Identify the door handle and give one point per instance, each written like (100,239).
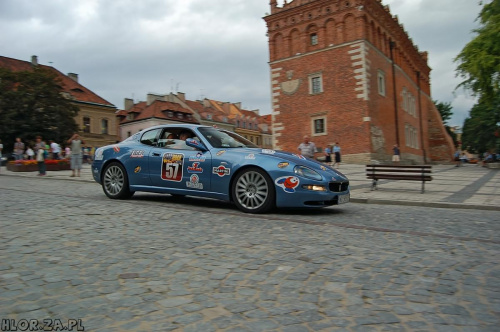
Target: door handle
(156,154)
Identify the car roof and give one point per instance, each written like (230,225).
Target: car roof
(183,125)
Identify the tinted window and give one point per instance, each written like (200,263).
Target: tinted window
(225,139)
(150,137)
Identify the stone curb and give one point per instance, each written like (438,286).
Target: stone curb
(426,204)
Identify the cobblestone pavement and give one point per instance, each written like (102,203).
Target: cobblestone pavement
(156,263)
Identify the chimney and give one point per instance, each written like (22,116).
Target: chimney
(226,107)
(34,60)
(206,103)
(73,76)
(182,96)
(153,97)
(128,104)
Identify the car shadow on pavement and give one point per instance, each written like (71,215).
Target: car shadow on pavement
(207,204)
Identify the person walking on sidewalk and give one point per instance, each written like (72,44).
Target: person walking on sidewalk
(76,154)
(396,154)
(40,155)
(336,151)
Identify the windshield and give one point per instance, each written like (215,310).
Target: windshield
(225,139)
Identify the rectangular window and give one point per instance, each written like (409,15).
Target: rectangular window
(381,83)
(314,39)
(86,125)
(315,84)
(318,126)
(104,126)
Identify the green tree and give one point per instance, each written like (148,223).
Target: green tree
(479,60)
(31,104)
(481,125)
(445,110)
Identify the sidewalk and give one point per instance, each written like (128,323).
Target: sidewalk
(467,187)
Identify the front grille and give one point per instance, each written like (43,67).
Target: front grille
(338,187)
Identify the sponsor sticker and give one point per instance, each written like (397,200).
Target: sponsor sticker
(221,152)
(250,156)
(194,182)
(198,157)
(137,154)
(323,168)
(116,148)
(221,170)
(171,166)
(288,183)
(195,168)
(137,169)
(268,151)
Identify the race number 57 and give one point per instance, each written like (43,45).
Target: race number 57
(171,168)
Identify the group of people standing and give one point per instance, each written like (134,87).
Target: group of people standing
(332,152)
(40,151)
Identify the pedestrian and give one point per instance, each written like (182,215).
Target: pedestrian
(86,155)
(67,152)
(396,154)
(328,154)
(456,158)
(40,148)
(76,153)
(306,148)
(18,149)
(30,153)
(463,159)
(56,150)
(336,152)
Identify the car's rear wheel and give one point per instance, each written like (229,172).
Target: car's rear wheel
(253,191)
(115,182)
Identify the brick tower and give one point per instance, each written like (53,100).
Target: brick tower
(346,71)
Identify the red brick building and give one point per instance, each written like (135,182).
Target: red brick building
(347,72)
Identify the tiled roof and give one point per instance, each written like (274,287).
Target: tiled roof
(75,89)
(158,109)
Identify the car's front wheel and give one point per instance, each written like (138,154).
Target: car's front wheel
(253,191)
(115,182)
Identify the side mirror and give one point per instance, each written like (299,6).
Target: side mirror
(196,144)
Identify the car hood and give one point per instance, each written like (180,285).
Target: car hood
(294,158)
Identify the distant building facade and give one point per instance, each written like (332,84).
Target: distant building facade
(96,117)
(347,72)
(175,108)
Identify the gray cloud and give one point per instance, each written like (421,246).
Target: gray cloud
(215,49)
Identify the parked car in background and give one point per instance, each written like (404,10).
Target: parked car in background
(207,162)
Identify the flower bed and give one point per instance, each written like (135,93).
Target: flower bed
(32,165)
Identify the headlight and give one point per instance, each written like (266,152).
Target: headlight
(314,187)
(307,173)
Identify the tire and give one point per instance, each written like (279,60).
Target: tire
(253,191)
(115,182)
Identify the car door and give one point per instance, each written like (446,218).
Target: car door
(173,164)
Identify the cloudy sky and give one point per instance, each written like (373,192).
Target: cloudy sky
(205,48)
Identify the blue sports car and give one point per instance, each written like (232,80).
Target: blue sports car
(209,162)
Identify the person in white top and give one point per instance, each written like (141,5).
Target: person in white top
(76,153)
(56,149)
(306,148)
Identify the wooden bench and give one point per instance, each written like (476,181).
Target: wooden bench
(399,172)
